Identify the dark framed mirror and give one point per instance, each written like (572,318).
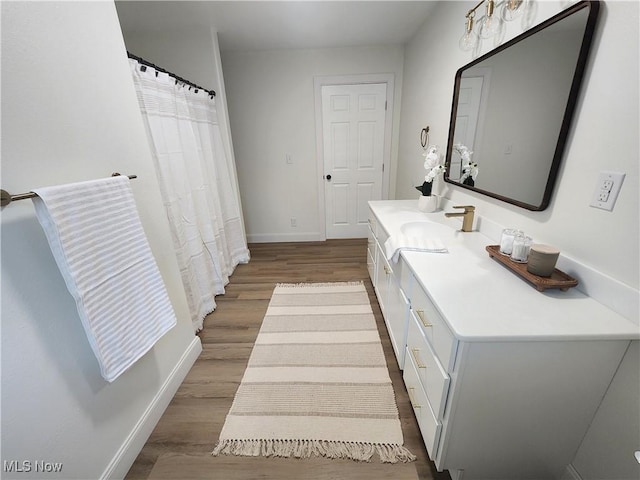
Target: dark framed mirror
(513,107)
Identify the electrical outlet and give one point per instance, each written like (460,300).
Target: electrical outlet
(607,189)
(294,222)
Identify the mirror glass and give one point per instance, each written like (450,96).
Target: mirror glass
(512,108)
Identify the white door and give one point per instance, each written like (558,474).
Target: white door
(466,119)
(353,131)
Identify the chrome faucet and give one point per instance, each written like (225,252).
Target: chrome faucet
(467,220)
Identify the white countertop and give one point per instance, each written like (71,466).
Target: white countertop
(482,300)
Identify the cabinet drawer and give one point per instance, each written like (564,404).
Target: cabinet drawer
(430,427)
(371,255)
(396,320)
(373,224)
(435,380)
(394,306)
(406,280)
(382,279)
(397,270)
(381,234)
(371,265)
(434,327)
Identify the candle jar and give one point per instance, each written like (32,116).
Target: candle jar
(506,241)
(520,249)
(542,260)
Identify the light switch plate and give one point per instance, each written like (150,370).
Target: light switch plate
(607,189)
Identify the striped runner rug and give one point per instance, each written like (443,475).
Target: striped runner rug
(317,382)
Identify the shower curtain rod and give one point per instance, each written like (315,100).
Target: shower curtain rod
(146,63)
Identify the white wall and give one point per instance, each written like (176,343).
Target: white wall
(70,113)
(271,105)
(604,136)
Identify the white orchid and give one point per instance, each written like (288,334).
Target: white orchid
(464,152)
(432,157)
(433,166)
(469,168)
(432,163)
(433,173)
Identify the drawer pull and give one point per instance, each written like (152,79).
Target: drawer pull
(414,353)
(413,403)
(423,319)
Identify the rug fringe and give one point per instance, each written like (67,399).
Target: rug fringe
(322,284)
(362,452)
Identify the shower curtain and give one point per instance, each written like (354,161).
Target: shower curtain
(197,184)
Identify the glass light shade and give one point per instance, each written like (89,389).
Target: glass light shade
(512,9)
(489,27)
(468,41)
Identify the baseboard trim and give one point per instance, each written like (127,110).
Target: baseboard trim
(126,455)
(284,237)
(456,474)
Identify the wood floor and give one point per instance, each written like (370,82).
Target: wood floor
(180,445)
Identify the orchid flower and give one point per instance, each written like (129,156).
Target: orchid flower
(432,158)
(432,163)
(469,169)
(435,171)
(464,152)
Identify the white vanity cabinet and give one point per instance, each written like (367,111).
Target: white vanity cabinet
(519,410)
(501,410)
(386,281)
(504,380)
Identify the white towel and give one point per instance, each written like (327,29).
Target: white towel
(396,243)
(96,237)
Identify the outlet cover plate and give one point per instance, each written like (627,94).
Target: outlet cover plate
(606,190)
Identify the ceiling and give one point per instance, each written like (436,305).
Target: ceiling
(260,25)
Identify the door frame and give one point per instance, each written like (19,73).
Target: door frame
(324,80)
(485,74)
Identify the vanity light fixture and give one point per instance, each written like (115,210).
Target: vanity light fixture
(488,26)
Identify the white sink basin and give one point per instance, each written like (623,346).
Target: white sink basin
(428,230)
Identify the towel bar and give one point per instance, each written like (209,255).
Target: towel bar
(6,198)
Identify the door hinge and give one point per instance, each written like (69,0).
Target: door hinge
(383,167)
(385,105)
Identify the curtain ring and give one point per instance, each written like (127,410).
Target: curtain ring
(424,137)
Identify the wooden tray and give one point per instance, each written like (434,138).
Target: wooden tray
(558,279)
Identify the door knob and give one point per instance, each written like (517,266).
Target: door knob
(328,177)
